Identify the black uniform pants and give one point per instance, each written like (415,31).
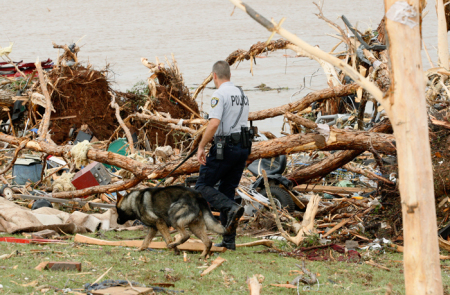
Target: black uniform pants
(228,171)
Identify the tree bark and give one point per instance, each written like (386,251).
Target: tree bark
(407,109)
(6,98)
(338,140)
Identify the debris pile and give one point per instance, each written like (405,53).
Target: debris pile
(72,140)
(335,119)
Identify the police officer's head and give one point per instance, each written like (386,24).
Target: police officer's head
(221,73)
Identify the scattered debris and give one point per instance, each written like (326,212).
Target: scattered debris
(73,144)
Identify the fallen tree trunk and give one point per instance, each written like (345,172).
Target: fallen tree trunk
(331,163)
(324,167)
(296,106)
(303,103)
(99,189)
(296,143)
(338,140)
(139,169)
(406,106)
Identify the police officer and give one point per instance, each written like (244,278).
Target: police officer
(227,157)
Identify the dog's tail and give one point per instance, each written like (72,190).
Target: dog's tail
(210,221)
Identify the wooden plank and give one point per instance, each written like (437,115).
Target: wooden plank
(215,264)
(331,189)
(188,246)
(41,266)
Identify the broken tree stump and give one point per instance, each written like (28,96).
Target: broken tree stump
(407,110)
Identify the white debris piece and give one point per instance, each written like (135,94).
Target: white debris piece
(164,152)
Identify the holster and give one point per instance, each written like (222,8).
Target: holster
(247,135)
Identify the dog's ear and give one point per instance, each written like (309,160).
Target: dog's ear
(119,199)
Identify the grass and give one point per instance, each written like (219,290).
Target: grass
(164,267)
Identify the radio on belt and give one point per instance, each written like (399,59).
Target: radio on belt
(92,175)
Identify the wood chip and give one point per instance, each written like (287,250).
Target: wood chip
(215,264)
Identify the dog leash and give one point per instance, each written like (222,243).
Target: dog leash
(187,158)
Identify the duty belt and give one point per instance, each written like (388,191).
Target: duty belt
(233,138)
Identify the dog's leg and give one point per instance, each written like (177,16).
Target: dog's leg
(182,237)
(164,230)
(198,228)
(148,239)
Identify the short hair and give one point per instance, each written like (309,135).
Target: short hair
(222,70)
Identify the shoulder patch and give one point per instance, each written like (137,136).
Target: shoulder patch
(214,101)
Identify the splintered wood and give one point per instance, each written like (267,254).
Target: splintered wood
(307,225)
(215,264)
(254,285)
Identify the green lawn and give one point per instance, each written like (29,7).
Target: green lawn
(164,267)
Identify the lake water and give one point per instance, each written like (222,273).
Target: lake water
(197,32)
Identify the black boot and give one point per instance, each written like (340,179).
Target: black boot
(233,217)
(228,241)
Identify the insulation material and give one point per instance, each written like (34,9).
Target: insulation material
(79,152)
(63,183)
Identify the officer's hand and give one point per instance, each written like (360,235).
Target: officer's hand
(201,156)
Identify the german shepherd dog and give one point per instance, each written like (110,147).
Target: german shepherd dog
(176,206)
